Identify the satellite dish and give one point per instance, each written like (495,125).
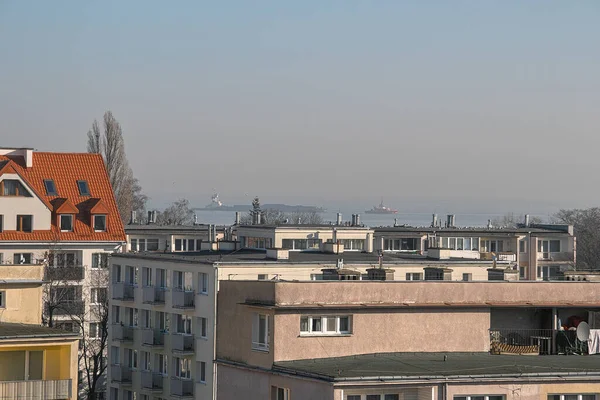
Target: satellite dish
(583,331)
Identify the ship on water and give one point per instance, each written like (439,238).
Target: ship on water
(217,205)
(381,209)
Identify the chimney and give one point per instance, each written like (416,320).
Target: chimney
(210,239)
(395,221)
(237,217)
(214,233)
(357,219)
(258,218)
(434,221)
(149,218)
(338,220)
(527,220)
(353,220)
(154,216)
(133,219)
(489,225)
(195,219)
(450,220)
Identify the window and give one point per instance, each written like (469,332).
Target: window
(554,246)
(116,313)
(161,363)
(191,243)
(414,276)
(116,273)
(260,332)
(161,278)
(257,242)
(404,244)
(152,244)
(182,368)
(573,396)
(146,364)
(203,284)
(301,244)
(1,222)
(134,245)
(12,187)
(467,277)
(522,246)
(325,325)
(353,397)
(50,187)
(22,258)
(184,324)
(202,368)
(95,330)
(278,393)
(492,246)
(98,295)
(100,223)
(146,319)
(66,222)
(479,397)
(353,244)
(100,260)
(263,277)
(177,244)
(203,326)
(146,276)
(132,358)
(3,299)
(24,223)
(83,187)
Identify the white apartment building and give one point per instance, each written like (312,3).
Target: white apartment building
(171,238)
(58,210)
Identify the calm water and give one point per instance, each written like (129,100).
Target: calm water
(414,219)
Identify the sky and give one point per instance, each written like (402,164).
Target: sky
(436,106)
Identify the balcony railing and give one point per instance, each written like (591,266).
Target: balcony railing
(182,388)
(153,295)
(500,256)
(123,291)
(70,273)
(152,381)
(184,298)
(555,256)
(122,333)
(70,307)
(521,341)
(42,390)
(182,344)
(153,337)
(120,373)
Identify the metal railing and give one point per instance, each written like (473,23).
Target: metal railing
(122,333)
(184,298)
(153,337)
(122,291)
(182,343)
(153,295)
(522,340)
(36,390)
(120,373)
(70,273)
(152,381)
(182,387)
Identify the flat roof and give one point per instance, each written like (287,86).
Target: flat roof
(409,366)
(23,331)
(308,226)
(547,229)
(297,257)
(172,228)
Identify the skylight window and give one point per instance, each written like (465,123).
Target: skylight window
(84,189)
(50,187)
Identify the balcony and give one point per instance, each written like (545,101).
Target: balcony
(153,295)
(43,390)
(522,341)
(151,381)
(153,337)
(182,388)
(184,299)
(120,373)
(72,273)
(123,291)
(182,344)
(122,333)
(563,256)
(505,256)
(70,307)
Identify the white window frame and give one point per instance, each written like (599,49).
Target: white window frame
(202,372)
(410,276)
(97,328)
(203,283)
(94,294)
(183,368)
(100,260)
(324,331)
(579,395)
(286,393)
(105,222)
(485,396)
(203,322)
(258,343)
(60,217)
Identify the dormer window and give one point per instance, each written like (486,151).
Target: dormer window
(84,189)
(66,222)
(12,187)
(50,187)
(100,223)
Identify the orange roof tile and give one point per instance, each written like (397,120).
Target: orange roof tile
(64,206)
(66,169)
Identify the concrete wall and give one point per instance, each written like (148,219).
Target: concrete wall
(421,330)
(522,391)
(23,300)
(237,383)
(13,206)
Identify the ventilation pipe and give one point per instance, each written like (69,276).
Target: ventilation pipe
(357,219)
(195,219)
(434,220)
(527,222)
(214,233)
(133,217)
(489,225)
(237,217)
(149,217)
(338,220)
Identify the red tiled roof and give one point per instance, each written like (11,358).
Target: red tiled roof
(66,169)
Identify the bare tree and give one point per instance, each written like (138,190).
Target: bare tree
(511,220)
(111,145)
(178,213)
(586,224)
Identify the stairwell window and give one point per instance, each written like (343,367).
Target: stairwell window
(260,332)
(100,223)
(325,325)
(66,222)
(24,223)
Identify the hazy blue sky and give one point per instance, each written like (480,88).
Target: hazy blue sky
(435,105)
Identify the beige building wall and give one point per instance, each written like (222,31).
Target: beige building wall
(523,390)
(18,205)
(22,300)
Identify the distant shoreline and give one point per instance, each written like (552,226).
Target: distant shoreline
(279,207)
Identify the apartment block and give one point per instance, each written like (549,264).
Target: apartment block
(405,340)
(172,238)
(36,362)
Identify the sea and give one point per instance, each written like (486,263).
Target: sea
(371,220)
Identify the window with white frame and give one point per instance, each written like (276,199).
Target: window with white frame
(146,364)
(202,371)
(479,397)
(260,332)
(115,355)
(98,295)
(403,244)
(95,330)
(414,276)
(203,283)
(100,260)
(545,246)
(100,223)
(354,244)
(460,243)
(389,396)
(131,357)
(279,393)
(116,273)
(573,396)
(184,324)
(492,246)
(22,258)
(203,326)
(116,314)
(66,222)
(146,318)
(301,244)
(161,278)
(152,244)
(182,368)
(160,363)
(325,325)
(522,246)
